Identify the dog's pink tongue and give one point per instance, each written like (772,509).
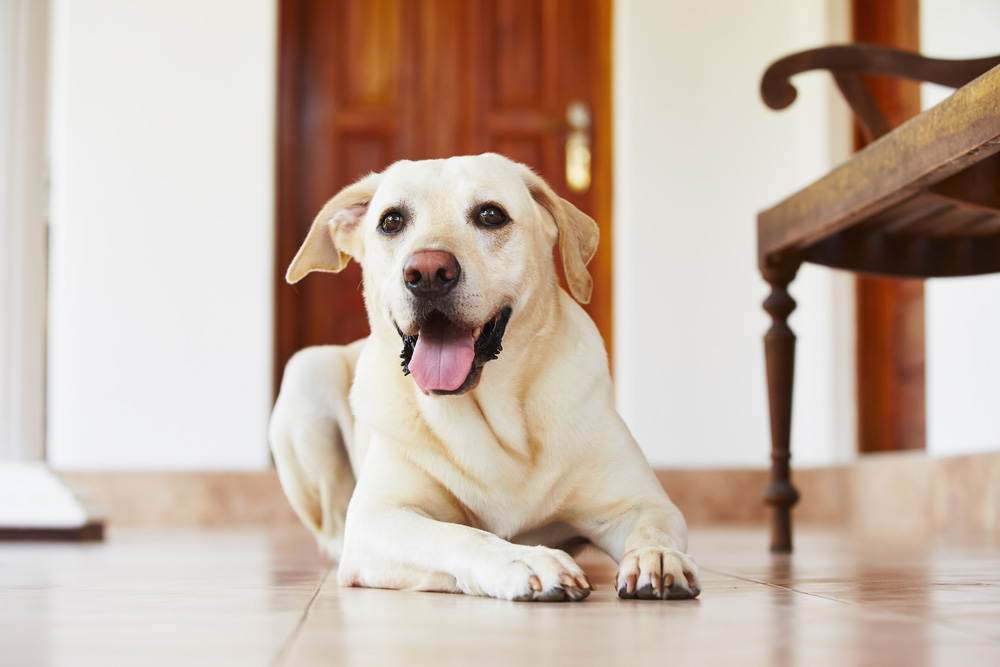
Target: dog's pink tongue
(442,358)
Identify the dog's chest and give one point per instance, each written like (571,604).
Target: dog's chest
(509,500)
(506,473)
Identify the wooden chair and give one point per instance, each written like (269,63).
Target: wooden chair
(922,200)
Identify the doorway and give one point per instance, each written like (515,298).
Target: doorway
(363,83)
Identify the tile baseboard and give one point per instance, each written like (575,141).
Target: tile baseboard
(897,496)
(183,498)
(905,495)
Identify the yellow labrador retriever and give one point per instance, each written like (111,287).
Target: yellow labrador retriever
(493,447)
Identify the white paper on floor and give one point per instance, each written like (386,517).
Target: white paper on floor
(32,497)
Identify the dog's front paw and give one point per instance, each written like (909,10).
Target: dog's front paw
(657,573)
(543,575)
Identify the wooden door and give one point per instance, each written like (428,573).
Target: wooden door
(890,312)
(363,83)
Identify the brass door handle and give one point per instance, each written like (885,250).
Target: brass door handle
(578,146)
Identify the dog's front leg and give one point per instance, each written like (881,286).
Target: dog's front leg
(649,540)
(653,567)
(404,531)
(403,549)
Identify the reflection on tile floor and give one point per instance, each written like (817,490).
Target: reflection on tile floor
(265,597)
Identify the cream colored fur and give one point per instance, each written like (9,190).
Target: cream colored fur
(473,493)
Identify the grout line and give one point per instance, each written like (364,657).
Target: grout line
(282,656)
(884,612)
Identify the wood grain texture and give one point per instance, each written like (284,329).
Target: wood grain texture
(924,151)
(890,314)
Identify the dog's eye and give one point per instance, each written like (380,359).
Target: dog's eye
(392,222)
(491,215)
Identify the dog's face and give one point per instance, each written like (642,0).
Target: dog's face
(453,252)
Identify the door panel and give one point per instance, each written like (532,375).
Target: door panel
(364,83)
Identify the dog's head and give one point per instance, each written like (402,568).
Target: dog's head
(452,252)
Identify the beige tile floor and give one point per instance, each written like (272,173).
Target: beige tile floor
(264,597)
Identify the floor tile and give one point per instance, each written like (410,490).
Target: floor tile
(266,597)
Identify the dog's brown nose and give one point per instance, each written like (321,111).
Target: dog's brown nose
(431,272)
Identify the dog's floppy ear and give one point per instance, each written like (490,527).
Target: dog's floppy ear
(578,235)
(335,235)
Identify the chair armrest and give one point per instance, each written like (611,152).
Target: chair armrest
(848,63)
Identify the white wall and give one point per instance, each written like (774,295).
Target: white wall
(161,239)
(697,156)
(963,315)
(162,231)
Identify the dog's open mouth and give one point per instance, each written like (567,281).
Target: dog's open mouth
(446,358)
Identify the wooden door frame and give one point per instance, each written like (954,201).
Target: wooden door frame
(287,176)
(602,266)
(890,313)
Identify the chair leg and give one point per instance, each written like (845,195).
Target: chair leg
(779,350)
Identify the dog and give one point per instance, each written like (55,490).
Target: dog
(477,459)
